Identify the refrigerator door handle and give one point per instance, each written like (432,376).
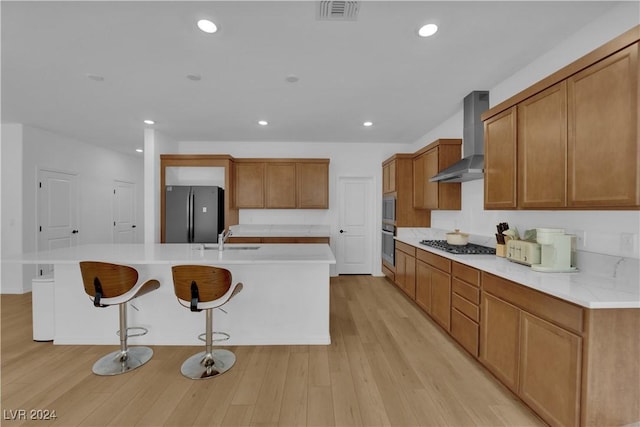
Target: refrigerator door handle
(190,217)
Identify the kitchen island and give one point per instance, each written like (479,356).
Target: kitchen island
(285,299)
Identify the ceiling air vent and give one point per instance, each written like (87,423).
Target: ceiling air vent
(338,10)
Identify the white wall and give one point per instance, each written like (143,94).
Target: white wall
(11,232)
(96,167)
(603,229)
(155,143)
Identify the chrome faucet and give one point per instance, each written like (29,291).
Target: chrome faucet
(221,238)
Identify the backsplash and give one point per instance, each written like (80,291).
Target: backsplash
(612,233)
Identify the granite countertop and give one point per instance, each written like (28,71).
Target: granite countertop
(178,253)
(608,282)
(279,230)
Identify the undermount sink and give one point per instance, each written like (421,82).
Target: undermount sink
(226,248)
(239,248)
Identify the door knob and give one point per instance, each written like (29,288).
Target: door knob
(133,226)
(74,232)
(342,231)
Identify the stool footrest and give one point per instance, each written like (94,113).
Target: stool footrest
(145,331)
(224,336)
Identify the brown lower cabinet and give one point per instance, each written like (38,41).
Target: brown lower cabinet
(465,307)
(572,365)
(433,286)
(278,240)
(405,274)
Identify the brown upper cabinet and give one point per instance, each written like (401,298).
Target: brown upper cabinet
(500,160)
(249,184)
(571,140)
(397,181)
(542,149)
(312,179)
(389,177)
(604,164)
(427,162)
(282,183)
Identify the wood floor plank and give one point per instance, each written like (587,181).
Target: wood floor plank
(320,406)
(293,411)
(269,402)
(252,378)
(388,364)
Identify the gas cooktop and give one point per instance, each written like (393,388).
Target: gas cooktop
(468,249)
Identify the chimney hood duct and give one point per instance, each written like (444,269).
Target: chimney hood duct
(472,165)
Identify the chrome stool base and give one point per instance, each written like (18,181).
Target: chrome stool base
(119,362)
(203,365)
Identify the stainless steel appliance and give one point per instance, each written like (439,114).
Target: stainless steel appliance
(193,214)
(468,249)
(472,165)
(389,209)
(389,243)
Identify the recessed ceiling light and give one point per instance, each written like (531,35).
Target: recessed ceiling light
(194,77)
(149,122)
(95,77)
(292,78)
(207,26)
(367,124)
(139,150)
(427,30)
(263,122)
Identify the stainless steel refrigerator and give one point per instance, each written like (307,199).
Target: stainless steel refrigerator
(193,214)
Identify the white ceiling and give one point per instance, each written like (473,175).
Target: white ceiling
(374,68)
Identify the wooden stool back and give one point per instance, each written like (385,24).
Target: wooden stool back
(212,282)
(115,279)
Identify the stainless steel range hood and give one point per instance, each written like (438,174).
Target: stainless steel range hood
(472,165)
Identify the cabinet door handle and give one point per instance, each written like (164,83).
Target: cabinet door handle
(75,232)
(342,231)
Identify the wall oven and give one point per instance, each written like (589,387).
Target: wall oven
(389,209)
(388,244)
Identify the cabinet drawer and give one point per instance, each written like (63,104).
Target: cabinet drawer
(472,311)
(465,331)
(437,261)
(545,306)
(468,292)
(407,249)
(466,273)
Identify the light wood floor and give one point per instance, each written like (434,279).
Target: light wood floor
(388,365)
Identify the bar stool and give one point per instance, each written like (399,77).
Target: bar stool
(109,284)
(201,287)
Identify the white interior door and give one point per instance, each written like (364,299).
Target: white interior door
(124,212)
(57,212)
(355,243)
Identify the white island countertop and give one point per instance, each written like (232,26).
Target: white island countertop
(581,288)
(177,253)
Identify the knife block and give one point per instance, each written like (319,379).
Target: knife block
(501,250)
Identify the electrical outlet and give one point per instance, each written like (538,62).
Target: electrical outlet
(627,243)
